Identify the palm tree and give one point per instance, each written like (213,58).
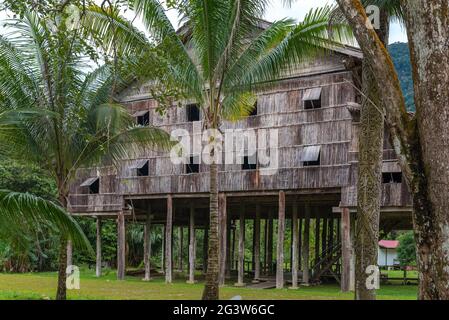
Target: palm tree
(22,213)
(219,58)
(74,119)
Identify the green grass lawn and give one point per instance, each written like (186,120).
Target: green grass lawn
(43,286)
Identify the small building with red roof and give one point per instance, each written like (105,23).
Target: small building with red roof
(387,253)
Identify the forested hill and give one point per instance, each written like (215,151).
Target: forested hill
(400,54)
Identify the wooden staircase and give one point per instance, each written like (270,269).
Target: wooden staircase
(327,264)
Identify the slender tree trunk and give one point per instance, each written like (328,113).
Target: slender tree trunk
(212,276)
(61,293)
(421,142)
(369,185)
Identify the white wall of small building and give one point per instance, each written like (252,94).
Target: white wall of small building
(387,257)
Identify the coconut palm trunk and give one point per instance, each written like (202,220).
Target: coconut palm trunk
(61,293)
(212,275)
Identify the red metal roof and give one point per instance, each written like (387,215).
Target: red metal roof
(389,244)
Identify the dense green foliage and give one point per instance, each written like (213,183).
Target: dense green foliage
(400,54)
(407,249)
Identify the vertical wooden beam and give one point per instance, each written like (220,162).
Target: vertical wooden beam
(317,238)
(98,260)
(345,249)
(257,244)
(222,237)
(280,242)
(147,246)
(233,248)
(181,244)
(168,241)
(305,246)
(241,257)
(352,262)
(228,248)
(192,245)
(270,243)
(300,237)
(331,232)
(121,244)
(265,246)
(324,237)
(205,247)
(295,249)
(163,249)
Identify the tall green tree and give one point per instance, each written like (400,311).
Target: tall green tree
(62,112)
(420,140)
(218,58)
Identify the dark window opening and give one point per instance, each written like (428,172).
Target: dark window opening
(312,104)
(144,119)
(313,163)
(249,163)
(312,98)
(193,166)
(94,187)
(392,177)
(144,170)
(254,110)
(193,112)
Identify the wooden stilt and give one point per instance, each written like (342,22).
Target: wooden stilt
(98,260)
(163,249)
(233,266)
(253,253)
(305,247)
(168,241)
(291,245)
(317,238)
(181,244)
(331,232)
(147,246)
(222,237)
(300,237)
(228,248)
(270,243)
(295,249)
(324,237)
(241,258)
(280,242)
(257,245)
(265,246)
(352,262)
(205,247)
(121,243)
(192,246)
(345,249)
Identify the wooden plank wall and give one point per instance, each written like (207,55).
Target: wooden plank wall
(280,107)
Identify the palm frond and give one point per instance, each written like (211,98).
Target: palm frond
(284,46)
(237,105)
(21,212)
